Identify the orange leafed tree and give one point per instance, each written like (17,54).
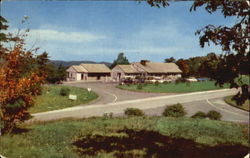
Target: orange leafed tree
(20,81)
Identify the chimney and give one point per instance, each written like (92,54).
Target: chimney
(144,62)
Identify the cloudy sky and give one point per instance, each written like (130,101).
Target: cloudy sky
(99,30)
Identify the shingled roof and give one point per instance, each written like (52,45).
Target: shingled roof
(128,68)
(154,67)
(79,68)
(96,68)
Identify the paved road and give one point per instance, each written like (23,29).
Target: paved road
(228,112)
(108,93)
(193,102)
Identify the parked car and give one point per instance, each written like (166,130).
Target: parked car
(191,79)
(202,79)
(126,81)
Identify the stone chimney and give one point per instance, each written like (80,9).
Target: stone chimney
(144,62)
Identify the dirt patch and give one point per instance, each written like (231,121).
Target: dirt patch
(144,143)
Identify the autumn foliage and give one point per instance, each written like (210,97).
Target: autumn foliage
(19,83)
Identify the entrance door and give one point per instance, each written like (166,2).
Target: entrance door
(81,76)
(119,76)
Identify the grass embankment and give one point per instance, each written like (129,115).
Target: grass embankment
(52,100)
(127,137)
(173,87)
(244,106)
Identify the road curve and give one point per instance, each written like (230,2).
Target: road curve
(108,93)
(119,107)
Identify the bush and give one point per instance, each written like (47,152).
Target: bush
(156,83)
(64,91)
(199,114)
(134,112)
(139,86)
(180,80)
(176,110)
(214,115)
(165,82)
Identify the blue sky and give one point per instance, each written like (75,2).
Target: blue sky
(99,30)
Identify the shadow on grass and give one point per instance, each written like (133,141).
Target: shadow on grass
(143,143)
(19,130)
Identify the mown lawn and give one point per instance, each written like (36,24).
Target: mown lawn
(245,106)
(52,100)
(126,137)
(173,87)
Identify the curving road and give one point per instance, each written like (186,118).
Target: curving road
(108,93)
(193,102)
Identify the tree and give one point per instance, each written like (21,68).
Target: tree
(121,60)
(61,71)
(54,74)
(19,82)
(194,64)
(234,40)
(183,65)
(170,60)
(209,66)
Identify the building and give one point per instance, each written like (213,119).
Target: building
(163,71)
(88,72)
(123,71)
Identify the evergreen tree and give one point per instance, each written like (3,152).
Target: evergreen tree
(121,60)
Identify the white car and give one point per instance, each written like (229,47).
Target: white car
(192,79)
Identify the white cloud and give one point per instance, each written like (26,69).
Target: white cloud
(52,35)
(153,41)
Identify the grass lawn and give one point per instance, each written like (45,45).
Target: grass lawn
(174,88)
(127,137)
(245,106)
(52,100)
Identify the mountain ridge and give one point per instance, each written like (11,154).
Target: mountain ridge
(70,63)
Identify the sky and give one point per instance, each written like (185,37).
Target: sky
(99,30)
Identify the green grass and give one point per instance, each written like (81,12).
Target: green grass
(243,79)
(245,106)
(55,139)
(52,100)
(174,88)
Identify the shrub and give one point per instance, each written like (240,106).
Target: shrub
(108,115)
(134,112)
(145,84)
(214,115)
(165,82)
(64,91)
(176,110)
(156,83)
(139,86)
(180,80)
(199,114)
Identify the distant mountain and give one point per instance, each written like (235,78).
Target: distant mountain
(69,63)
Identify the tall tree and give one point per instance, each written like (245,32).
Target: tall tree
(209,66)
(121,60)
(170,60)
(19,82)
(234,40)
(183,65)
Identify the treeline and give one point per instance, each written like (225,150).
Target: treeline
(200,66)
(53,74)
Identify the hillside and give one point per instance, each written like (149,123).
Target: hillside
(69,63)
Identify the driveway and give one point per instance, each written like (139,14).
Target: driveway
(108,93)
(193,102)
